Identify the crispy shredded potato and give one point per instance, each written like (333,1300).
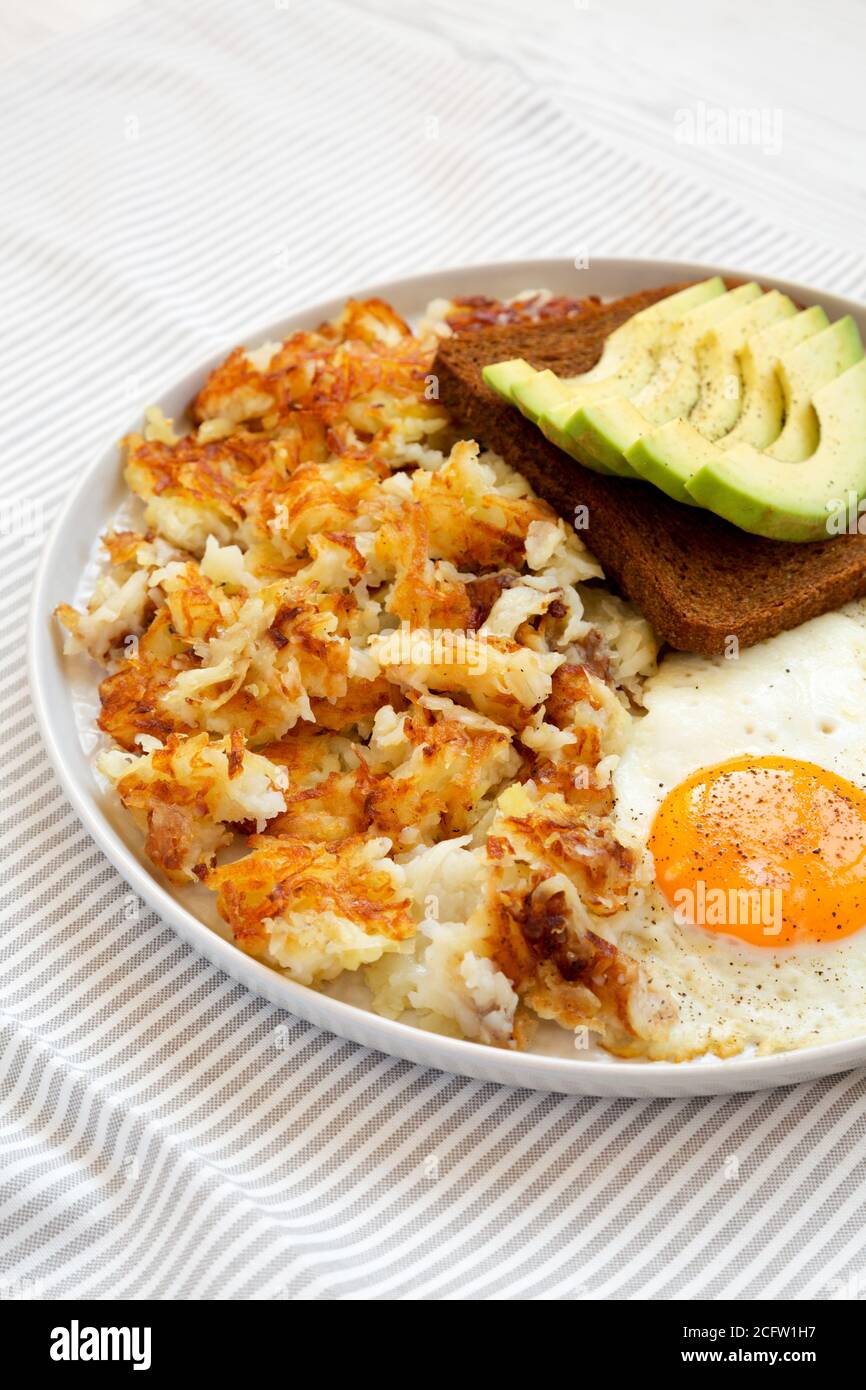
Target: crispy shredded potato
(186,793)
(364,685)
(315,910)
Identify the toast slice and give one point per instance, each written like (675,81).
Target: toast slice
(699,580)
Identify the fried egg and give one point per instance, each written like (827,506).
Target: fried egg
(745,785)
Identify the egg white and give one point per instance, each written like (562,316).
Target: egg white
(801,695)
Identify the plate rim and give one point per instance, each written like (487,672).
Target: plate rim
(614,1077)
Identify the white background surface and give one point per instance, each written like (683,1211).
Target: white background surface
(171,175)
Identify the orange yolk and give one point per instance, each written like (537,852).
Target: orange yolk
(771,850)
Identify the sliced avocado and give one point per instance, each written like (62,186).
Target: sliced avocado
(627,360)
(794,501)
(670,455)
(502,376)
(763,412)
(610,428)
(673,306)
(720,397)
(597,433)
(643,326)
(537,393)
(802,373)
(673,391)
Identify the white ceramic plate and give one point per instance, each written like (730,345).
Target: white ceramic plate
(64,696)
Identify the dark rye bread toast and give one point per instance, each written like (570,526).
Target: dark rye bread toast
(699,580)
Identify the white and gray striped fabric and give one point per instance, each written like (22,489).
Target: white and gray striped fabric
(170,177)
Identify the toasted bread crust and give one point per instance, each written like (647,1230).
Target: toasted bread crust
(699,580)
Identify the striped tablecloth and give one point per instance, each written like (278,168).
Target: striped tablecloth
(169,177)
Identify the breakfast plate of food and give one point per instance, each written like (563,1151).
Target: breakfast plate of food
(475,666)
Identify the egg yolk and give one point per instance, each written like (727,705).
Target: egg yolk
(770,850)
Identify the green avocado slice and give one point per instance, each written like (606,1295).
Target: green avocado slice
(670,455)
(720,396)
(626,361)
(503,376)
(802,501)
(607,429)
(802,373)
(598,436)
(763,411)
(674,389)
(539,393)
